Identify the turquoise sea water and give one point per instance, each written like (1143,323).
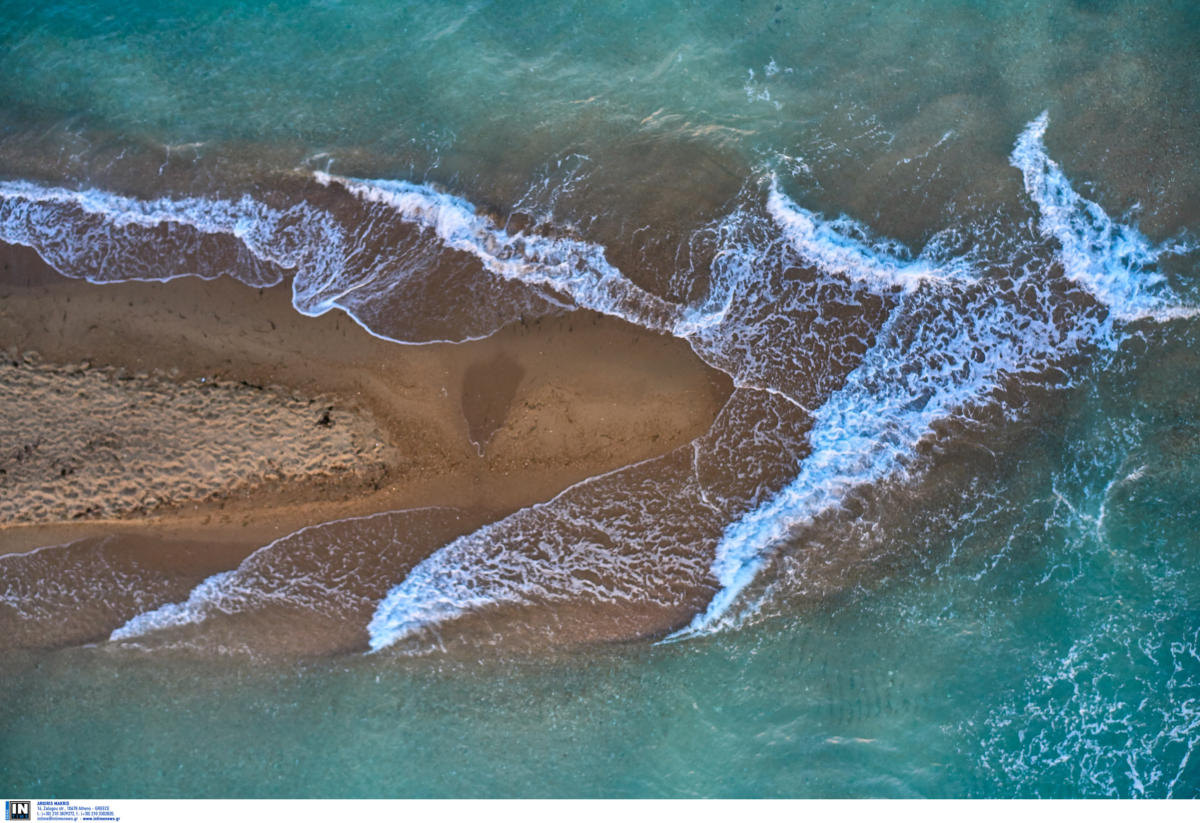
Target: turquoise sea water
(942,541)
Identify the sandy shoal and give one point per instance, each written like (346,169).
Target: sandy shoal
(208,411)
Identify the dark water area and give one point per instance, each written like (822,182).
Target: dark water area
(940,541)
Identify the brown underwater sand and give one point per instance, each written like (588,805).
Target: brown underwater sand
(209,413)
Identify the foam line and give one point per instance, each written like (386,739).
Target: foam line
(210,595)
(323,569)
(333,262)
(869,430)
(574,268)
(79,233)
(1113,261)
(844,246)
(950,341)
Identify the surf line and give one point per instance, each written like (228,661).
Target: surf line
(420,600)
(1109,260)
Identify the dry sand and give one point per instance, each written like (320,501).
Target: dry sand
(209,412)
(82,442)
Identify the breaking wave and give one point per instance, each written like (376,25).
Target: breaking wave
(846,351)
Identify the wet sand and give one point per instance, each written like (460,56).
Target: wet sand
(239,421)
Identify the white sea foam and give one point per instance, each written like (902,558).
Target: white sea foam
(948,341)
(633,537)
(844,246)
(35,586)
(1113,261)
(942,353)
(1115,711)
(102,236)
(210,595)
(746,327)
(334,262)
(770,332)
(760,326)
(335,569)
(619,538)
(869,430)
(573,268)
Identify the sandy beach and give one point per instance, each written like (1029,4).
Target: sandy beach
(209,412)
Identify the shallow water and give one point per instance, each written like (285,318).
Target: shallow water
(941,541)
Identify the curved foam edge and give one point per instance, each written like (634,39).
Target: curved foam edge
(1113,261)
(438,588)
(1110,260)
(230,591)
(575,268)
(202,599)
(407,608)
(257,228)
(844,246)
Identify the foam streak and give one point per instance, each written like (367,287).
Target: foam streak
(1113,261)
